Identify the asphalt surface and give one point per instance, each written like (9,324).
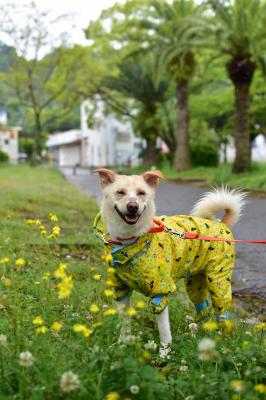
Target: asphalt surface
(174,199)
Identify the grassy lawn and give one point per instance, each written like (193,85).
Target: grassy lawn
(255,179)
(41,313)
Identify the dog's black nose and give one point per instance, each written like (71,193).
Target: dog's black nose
(132,207)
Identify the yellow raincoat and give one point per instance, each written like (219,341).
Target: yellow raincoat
(155,261)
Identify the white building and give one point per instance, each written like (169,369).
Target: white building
(101,141)
(65,148)
(9,142)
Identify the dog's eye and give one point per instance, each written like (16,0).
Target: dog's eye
(121,192)
(141,193)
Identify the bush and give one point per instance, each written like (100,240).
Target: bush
(4,157)
(204,155)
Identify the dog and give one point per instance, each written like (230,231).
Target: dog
(149,254)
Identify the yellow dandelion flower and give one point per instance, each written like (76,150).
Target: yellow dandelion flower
(112,396)
(56,326)
(56,230)
(80,328)
(259,326)
(108,258)
(94,308)
(245,345)
(53,217)
(131,312)
(97,277)
(20,262)
(108,293)
(64,292)
(60,272)
(42,329)
(4,260)
(111,270)
(109,283)
(38,321)
(109,312)
(260,388)
(210,326)
(140,304)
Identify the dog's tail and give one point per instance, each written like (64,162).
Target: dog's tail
(231,201)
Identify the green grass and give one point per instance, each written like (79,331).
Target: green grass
(102,365)
(255,179)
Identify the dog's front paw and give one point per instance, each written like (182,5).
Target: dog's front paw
(165,350)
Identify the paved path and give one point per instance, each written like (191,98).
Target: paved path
(250,269)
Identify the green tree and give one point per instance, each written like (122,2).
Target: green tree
(169,21)
(239,32)
(46,77)
(136,80)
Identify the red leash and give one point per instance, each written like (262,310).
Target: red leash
(188,235)
(159,227)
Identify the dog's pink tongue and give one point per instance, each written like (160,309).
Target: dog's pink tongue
(131,218)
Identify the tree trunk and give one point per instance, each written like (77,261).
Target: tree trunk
(150,153)
(182,155)
(36,155)
(242,139)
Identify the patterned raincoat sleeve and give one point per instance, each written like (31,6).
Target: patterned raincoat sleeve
(121,289)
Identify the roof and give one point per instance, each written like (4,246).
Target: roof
(62,138)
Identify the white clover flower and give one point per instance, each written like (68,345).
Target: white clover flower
(183,368)
(193,327)
(206,344)
(129,339)
(150,345)
(188,318)
(206,349)
(134,389)
(183,361)
(3,340)
(26,359)
(69,382)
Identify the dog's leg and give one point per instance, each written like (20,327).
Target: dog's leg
(122,305)
(164,331)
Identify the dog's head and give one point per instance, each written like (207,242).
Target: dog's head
(128,201)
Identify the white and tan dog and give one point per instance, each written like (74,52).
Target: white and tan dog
(128,211)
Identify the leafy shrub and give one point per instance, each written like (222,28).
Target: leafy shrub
(205,155)
(4,157)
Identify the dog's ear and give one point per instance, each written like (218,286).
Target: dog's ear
(152,178)
(106,176)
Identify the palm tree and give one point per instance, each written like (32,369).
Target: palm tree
(240,34)
(136,80)
(170,23)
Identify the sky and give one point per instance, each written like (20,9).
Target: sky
(84,10)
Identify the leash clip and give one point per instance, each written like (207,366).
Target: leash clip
(179,234)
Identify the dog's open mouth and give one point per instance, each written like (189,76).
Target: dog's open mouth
(129,218)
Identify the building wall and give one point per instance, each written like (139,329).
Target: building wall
(70,155)
(110,142)
(9,143)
